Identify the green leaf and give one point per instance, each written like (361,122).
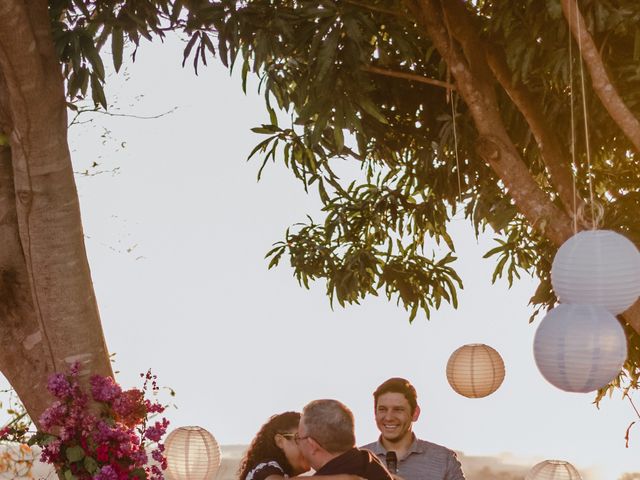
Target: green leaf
(497,273)
(190,44)
(327,54)
(41,439)
(69,476)
(265,129)
(245,71)
(272,116)
(369,107)
(175,13)
(338,137)
(208,44)
(555,9)
(117,46)
(90,465)
(97,92)
(74,454)
(91,52)
(138,473)
(494,251)
(223,50)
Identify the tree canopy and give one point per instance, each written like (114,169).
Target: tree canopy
(498,111)
(447,107)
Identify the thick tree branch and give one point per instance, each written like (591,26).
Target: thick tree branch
(600,81)
(494,145)
(413,77)
(632,316)
(550,148)
(553,156)
(461,23)
(498,150)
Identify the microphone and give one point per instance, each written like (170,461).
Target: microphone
(392,462)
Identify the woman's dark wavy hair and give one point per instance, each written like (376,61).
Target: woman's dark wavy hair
(263,447)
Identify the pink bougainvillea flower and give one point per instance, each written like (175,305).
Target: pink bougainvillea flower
(130,407)
(59,386)
(104,389)
(113,441)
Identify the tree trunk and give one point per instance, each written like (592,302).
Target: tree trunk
(49,316)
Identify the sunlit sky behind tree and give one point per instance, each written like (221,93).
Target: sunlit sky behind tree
(177,228)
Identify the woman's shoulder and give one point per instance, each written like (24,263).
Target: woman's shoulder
(264,469)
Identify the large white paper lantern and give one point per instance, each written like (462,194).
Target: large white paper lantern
(597,267)
(475,370)
(579,348)
(192,454)
(553,470)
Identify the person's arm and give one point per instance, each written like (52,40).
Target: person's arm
(454,468)
(341,476)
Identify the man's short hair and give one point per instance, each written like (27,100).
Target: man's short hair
(330,423)
(397,385)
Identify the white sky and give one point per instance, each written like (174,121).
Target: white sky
(194,301)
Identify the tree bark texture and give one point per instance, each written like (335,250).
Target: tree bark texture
(50,306)
(600,81)
(461,24)
(553,155)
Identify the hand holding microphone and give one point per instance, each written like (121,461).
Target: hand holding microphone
(392,462)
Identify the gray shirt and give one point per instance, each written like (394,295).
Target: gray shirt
(425,461)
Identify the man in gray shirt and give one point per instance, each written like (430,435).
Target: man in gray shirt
(407,457)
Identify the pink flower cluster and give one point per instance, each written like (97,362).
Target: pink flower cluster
(108,443)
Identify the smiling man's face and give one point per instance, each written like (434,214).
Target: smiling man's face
(394,417)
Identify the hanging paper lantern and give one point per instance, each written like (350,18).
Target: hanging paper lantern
(553,470)
(475,370)
(579,348)
(597,267)
(192,454)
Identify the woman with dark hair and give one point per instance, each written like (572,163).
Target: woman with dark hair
(273,453)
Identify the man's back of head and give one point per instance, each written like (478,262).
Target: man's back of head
(330,423)
(327,440)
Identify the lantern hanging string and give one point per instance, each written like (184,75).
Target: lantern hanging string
(594,223)
(596,211)
(450,98)
(574,165)
(455,143)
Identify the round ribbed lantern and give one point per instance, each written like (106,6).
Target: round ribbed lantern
(553,470)
(579,348)
(475,370)
(192,454)
(597,267)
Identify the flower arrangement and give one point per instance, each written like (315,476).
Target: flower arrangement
(104,435)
